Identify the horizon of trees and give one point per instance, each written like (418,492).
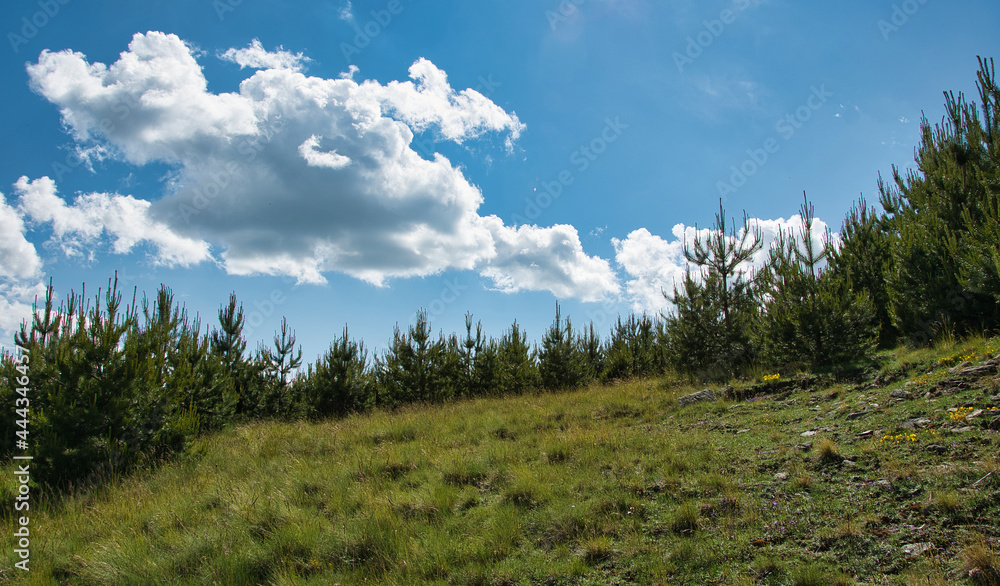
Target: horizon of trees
(114,386)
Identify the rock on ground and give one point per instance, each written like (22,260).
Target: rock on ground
(704,395)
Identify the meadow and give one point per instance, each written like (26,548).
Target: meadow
(889,478)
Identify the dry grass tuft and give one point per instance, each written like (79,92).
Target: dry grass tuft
(828,452)
(982,564)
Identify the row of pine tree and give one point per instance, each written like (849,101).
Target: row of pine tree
(114,386)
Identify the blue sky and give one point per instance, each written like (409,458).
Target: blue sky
(349,163)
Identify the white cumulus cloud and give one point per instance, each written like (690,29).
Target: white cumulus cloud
(18,258)
(76,227)
(20,272)
(548,259)
(429,101)
(300,175)
(256,57)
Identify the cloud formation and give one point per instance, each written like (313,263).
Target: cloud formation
(298,175)
(20,271)
(548,259)
(125,220)
(256,57)
(18,258)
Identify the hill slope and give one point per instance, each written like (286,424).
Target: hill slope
(803,482)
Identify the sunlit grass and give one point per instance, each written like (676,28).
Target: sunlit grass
(602,485)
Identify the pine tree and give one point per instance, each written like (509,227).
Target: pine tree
(711,329)
(227,340)
(411,369)
(276,367)
(808,317)
(340,382)
(471,355)
(694,341)
(518,365)
(979,259)
(84,387)
(632,350)
(489,370)
(561,362)
(863,262)
(594,351)
(151,350)
(940,213)
(227,343)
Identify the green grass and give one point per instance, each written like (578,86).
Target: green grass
(606,485)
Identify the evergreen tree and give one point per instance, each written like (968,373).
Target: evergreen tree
(227,340)
(518,365)
(201,384)
(594,351)
(979,258)
(470,381)
(711,330)
(632,350)
(489,373)
(808,317)
(240,391)
(158,419)
(940,213)
(83,388)
(411,369)
(340,382)
(863,262)
(694,340)
(274,398)
(561,362)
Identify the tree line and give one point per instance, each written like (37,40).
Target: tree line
(117,386)
(926,266)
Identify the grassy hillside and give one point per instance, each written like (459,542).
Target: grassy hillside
(784,482)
